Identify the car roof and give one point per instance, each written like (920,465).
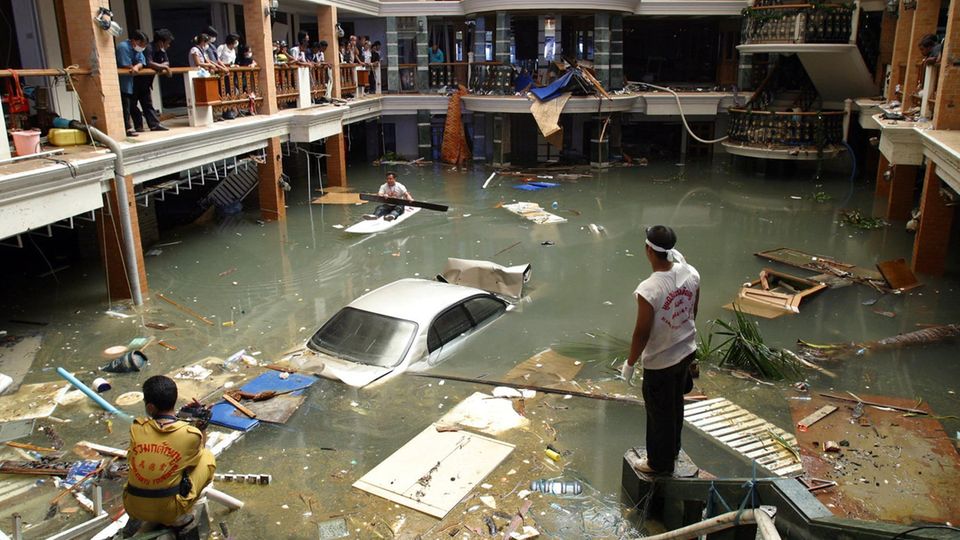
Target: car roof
(417,300)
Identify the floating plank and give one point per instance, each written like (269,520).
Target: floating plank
(534,212)
(744,433)
(817,415)
(817,263)
(898,274)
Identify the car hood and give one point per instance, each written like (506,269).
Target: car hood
(331,367)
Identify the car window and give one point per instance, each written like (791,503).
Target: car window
(365,337)
(483,308)
(448,326)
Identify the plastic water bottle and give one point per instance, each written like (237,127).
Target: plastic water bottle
(555,205)
(556,487)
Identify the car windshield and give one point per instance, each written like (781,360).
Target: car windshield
(365,337)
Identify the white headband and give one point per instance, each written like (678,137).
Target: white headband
(673,255)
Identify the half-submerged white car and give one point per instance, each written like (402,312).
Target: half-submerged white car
(409,324)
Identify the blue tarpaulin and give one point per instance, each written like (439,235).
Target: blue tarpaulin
(270,380)
(554,89)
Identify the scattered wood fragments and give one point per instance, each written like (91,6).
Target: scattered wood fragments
(898,274)
(819,414)
(821,264)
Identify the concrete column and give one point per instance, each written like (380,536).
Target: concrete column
(393,56)
(479,136)
(110,239)
(558,36)
(600,147)
(924,22)
(933,235)
(327,31)
(424,139)
(272,196)
(259,36)
(501,45)
(423,58)
(479,40)
(882,190)
(541,37)
(901,48)
(601,48)
(336,150)
(903,179)
(93,49)
(501,140)
(615,132)
(616,51)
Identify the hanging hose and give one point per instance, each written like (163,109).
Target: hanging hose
(853,172)
(682,115)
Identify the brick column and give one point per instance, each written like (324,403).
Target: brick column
(501,44)
(110,239)
(259,36)
(272,196)
(327,31)
(393,56)
(616,51)
(924,22)
(888,32)
(335,147)
(92,48)
(947,112)
(882,189)
(901,48)
(424,135)
(423,55)
(933,235)
(903,181)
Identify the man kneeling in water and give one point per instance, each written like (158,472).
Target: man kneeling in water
(169,466)
(395,190)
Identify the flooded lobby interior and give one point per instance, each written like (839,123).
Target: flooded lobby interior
(812,147)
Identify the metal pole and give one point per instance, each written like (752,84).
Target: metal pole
(126,226)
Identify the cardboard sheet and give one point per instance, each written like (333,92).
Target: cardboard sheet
(338,197)
(435,470)
(547,115)
(32,401)
(16,357)
(534,212)
(483,412)
(189,388)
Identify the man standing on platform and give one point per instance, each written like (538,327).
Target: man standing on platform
(665,340)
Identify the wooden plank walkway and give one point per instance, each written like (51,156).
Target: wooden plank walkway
(745,433)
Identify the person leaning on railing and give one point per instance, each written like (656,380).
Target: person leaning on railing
(227,55)
(157,60)
(130,55)
(197,58)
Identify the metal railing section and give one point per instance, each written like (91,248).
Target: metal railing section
(797,23)
(786,129)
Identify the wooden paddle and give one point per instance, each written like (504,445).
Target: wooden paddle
(403,202)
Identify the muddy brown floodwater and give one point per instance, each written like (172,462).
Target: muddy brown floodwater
(290,277)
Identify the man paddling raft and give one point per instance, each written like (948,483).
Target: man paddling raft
(395,190)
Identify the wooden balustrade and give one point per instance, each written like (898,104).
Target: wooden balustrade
(237,87)
(786,129)
(348,79)
(797,23)
(492,78)
(318,81)
(287,87)
(408,78)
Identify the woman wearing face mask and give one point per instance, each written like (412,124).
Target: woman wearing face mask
(211,52)
(197,57)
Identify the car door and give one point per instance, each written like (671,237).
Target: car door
(456,322)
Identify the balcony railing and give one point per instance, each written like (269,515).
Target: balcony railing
(287,85)
(797,23)
(318,81)
(448,74)
(237,88)
(492,78)
(348,79)
(786,129)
